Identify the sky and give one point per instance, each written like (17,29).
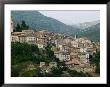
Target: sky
(73,17)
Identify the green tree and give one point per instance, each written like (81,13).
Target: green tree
(74,73)
(18,28)
(24,26)
(96,61)
(56,72)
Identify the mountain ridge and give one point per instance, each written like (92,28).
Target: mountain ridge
(38,21)
(85,25)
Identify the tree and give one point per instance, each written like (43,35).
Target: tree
(18,28)
(56,72)
(96,61)
(30,73)
(74,73)
(24,26)
(34,48)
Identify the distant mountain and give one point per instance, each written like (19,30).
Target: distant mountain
(86,24)
(92,32)
(38,21)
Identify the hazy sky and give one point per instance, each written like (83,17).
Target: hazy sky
(73,17)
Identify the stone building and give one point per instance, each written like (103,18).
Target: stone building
(53,64)
(42,64)
(62,56)
(22,38)
(14,38)
(30,38)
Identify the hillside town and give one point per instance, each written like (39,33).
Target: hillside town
(75,52)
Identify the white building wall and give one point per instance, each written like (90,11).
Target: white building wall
(14,39)
(30,39)
(40,45)
(83,49)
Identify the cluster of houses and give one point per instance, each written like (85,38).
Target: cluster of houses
(45,67)
(74,52)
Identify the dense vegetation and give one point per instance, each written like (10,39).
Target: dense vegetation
(96,61)
(23,54)
(20,27)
